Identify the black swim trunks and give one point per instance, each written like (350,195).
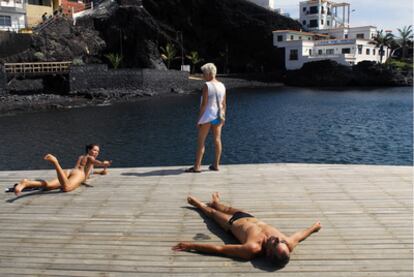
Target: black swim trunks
(237,216)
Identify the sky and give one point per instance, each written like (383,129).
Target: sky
(385,14)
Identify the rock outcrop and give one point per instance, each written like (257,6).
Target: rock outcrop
(331,74)
(60,40)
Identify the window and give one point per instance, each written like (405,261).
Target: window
(300,37)
(368,51)
(304,9)
(309,38)
(330,51)
(5,20)
(346,50)
(328,22)
(321,21)
(313,10)
(293,55)
(346,35)
(313,23)
(40,2)
(360,36)
(292,37)
(320,52)
(304,23)
(374,52)
(310,52)
(323,10)
(279,38)
(360,49)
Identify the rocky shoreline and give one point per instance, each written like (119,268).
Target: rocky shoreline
(38,101)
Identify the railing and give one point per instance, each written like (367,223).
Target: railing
(41,68)
(44,24)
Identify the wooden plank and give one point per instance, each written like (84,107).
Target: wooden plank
(127,222)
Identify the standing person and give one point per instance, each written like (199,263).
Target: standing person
(68,180)
(212,116)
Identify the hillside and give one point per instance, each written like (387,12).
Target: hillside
(235,34)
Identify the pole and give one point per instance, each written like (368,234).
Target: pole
(182,49)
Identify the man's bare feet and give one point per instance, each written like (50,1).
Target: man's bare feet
(20,186)
(317,226)
(50,158)
(194,201)
(215,198)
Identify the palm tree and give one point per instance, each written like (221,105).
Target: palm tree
(405,39)
(114,59)
(168,54)
(383,40)
(194,59)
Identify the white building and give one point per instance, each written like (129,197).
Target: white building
(329,37)
(322,14)
(12,15)
(267,4)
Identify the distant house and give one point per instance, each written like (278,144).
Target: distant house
(328,37)
(12,15)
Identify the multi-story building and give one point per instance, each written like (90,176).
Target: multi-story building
(12,15)
(329,37)
(35,9)
(323,14)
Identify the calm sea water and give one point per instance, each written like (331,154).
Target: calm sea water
(288,125)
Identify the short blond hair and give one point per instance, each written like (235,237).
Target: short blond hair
(210,69)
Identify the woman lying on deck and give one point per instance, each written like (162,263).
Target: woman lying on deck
(68,180)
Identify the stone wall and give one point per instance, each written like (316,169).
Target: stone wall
(164,81)
(87,77)
(99,77)
(3,81)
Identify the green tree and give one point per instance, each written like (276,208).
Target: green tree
(383,40)
(194,58)
(168,54)
(114,59)
(405,39)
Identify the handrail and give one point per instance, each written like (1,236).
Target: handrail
(37,67)
(44,24)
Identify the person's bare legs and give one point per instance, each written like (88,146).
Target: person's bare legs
(68,183)
(217,144)
(202,135)
(219,217)
(216,204)
(49,185)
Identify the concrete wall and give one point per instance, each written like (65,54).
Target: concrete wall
(13,43)
(82,78)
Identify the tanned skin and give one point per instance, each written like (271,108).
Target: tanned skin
(256,237)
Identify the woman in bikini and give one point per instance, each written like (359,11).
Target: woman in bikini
(68,180)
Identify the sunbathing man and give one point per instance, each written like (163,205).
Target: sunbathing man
(256,237)
(68,180)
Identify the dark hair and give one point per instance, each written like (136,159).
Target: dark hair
(280,260)
(90,146)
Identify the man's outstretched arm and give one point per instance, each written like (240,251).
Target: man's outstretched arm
(302,235)
(243,251)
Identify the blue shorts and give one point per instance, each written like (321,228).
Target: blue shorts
(216,121)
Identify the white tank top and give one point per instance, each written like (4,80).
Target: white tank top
(211,111)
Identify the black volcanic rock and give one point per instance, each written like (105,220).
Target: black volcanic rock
(61,41)
(329,73)
(235,34)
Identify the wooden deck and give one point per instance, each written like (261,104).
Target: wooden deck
(127,222)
